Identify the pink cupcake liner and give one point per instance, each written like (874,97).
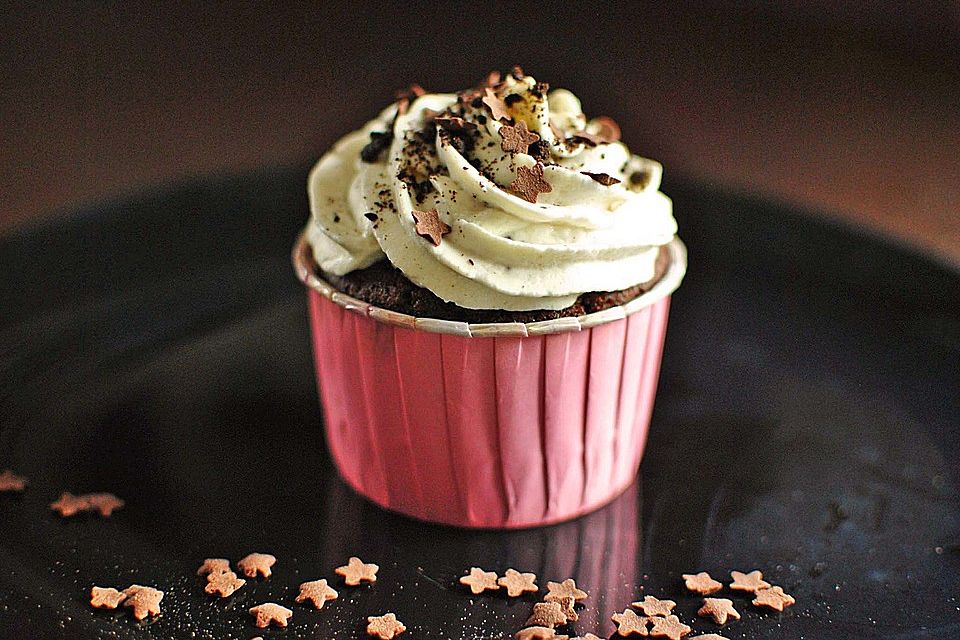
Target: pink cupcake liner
(491,426)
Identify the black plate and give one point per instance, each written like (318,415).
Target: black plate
(808,423)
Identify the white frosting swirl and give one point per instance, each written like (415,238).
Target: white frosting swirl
(503,252)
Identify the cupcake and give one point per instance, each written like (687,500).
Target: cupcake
(489,275)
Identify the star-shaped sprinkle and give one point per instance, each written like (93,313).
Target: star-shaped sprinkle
(318,592)
(430,226)
(104,503)
(356,571)
(68,505)
(719,609)
(774,597)
(654,606)
(547,614)
(530,183)
(270,613)
(669,627)
(498,108)
(384,627)
(479,580)
(213,566)
(752,581)
(539,633)
(603,178)
(707,636)
(143,601)
(701,583)
(518,138)
(106,598)
(517,583)
(257,564)
(567,588)
(566,607)
(223,584)
(629,623)
(9,481)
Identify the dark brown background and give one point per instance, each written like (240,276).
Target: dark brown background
(846,107)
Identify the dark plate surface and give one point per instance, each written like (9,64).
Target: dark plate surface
(808,424)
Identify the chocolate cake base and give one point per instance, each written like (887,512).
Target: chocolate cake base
(385,286)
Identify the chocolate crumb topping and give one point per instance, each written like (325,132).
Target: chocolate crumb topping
(455,124)
(372,217)
(640,178)
(540,150)
(379,142)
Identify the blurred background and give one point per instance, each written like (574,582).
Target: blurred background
(851,109)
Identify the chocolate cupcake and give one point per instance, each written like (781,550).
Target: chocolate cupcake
(498,212)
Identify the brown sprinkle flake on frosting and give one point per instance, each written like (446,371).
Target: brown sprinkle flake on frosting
(609,130)
(479,580)
(144,601)
(430,226)
(701,583)
(669,627)
(603,178)
(318,592)
(719,609)
(629,623)
(270,613)
(498,108)
(654,606)
(408,95)
(530,183)
(752,581)
(773,597)
(213,566)
(9,481)
(547,614)
(517,139)
(106,598)
(454,124)
(384,627)
(567,588)
(257,563)
(539,633)
(357,571)
(223,584)
(517,583)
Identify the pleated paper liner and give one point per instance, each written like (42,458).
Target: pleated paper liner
(501,425)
